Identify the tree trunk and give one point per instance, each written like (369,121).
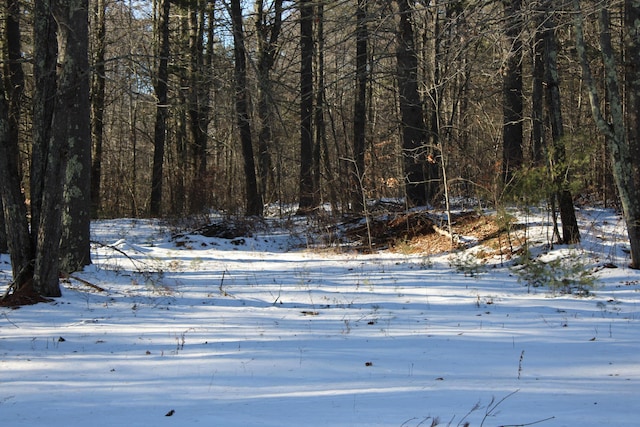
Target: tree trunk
(268,35)
(13,202)
(414,134)
(14,65)
(3,230)
(253,199)
(76,217)
(620,150)
(199,86)
(559,168)
(317,129)
(15,78)
(52,123)
(320,122)
(360,107)
(69,132)
(161,88)
(512,107)
(44,95)
(632,91)
(537,92)
(306,198)
(97,102)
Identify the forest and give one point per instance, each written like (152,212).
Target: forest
(177,108)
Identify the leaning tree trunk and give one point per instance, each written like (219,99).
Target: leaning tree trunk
(632,91)
(621,149)
(44,95)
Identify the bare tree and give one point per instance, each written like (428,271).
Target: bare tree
(253,197)
(15,74)
(97,100)
(44,95)
(512,155)
(360,106)
(623,148)
(13,201)
(13,65)
(161,89)
(201,41)
(307,196)
(268,27)
(537,88)
(76,217)
(414,136)
(560,173)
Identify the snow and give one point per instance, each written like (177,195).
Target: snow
(270,332)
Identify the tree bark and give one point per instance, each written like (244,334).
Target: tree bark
(253,198)
(559,169)
(360,107)
(317,103)
(13,201)
(268,35)
(621,149)
(537,91)
(14,65)
(632,92)
(306,200)
(199,87)
(414,135)
(3,230)
(161,89)
(69,133)
(97,102)
(76,216)
(632,85)
(44,95)
(322,146)
(512,107)
(15,78)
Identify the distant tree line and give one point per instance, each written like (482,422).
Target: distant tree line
(112,108)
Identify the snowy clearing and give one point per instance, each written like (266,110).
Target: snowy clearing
(262,331)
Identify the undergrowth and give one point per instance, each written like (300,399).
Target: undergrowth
(569,274)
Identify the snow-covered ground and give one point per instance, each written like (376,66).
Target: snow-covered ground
(260,332)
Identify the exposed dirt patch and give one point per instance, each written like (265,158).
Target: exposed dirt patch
(227,229)
(419,232)
(24,295)
(382,232)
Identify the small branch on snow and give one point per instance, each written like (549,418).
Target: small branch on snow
(529,424)
(87,283)
(9,320)
(120,251)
